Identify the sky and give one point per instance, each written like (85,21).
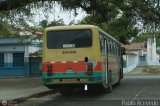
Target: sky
(55,14)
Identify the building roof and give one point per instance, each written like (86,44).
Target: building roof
(135,46)
(11,41)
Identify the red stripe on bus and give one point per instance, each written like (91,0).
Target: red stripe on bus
(98,67)
(79,66)
(44,67)
(63,67)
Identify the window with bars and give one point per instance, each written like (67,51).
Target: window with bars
(1,59)
(18,59)
(143,58)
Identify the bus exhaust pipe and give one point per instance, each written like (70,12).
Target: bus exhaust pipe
(85,87)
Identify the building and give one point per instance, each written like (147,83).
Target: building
(14,57)
(136,55)
(153,57)
(141,54)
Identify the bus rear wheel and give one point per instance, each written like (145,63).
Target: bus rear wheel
(106,90)
(109,88)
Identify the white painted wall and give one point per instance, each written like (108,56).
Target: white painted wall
(132,62)
(152,56)
(9,50)
(26,53)
(33,49)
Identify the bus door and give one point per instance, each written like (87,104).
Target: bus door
(106,61)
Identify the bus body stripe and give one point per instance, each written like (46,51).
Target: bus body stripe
(75,66)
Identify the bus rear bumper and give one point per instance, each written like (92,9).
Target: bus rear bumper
(79,79)
(71,86)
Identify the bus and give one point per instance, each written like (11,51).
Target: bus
(80,56)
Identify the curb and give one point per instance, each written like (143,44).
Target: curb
(23,99)
(16,77)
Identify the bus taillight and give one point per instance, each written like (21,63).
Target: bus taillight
(89,69)
(49,69)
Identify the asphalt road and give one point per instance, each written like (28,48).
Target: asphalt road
(133,91)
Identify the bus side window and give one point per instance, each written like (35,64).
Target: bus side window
(107,44)
(102,44)
(120,51)
(113,48)
(110,46)
(116,49)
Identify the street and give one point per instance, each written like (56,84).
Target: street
(20,87)
(136,87)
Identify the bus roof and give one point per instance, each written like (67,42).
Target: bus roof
(70,27)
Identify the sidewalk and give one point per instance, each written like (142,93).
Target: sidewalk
(20,87)
(142,71)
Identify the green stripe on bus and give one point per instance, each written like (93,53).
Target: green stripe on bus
(95,78)
(70,75)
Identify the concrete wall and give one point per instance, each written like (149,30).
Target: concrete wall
(33,49)
(131,62)
(152,56)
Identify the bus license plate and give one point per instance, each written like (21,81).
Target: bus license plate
(68,80)
(64,80)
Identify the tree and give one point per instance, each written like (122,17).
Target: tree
(44,23)
(120,17)
(141,38)
(120,28)
(124,16)
(4,26)
(147,10)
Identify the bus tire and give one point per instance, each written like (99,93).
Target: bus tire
(109,88)
(118,83)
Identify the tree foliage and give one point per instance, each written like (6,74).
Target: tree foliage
(44,23)
(119,28)
(120,18)
(143,37)
(142,10)
(4,29)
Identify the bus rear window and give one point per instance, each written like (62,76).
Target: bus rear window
(69,39)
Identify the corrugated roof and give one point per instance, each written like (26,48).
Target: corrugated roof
(11,41)
(135,46)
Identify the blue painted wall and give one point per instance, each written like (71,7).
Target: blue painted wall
(8,46)
(8,70)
